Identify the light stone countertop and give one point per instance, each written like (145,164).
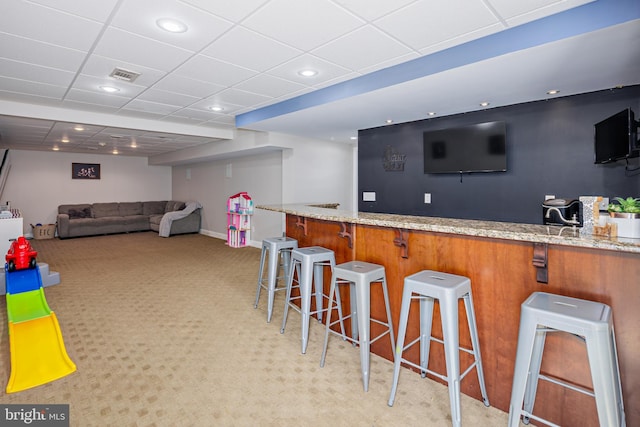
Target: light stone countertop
(536,233)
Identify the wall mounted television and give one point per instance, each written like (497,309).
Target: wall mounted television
(475,148)
(616,138)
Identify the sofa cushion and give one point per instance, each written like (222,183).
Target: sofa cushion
(130,208)
(173,205)
(154,208)
(80,213)
(101,210)
(64,209)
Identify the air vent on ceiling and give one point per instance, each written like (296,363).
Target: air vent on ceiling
(122,74)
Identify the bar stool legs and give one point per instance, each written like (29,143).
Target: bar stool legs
(542,313)
(275,247)
(360,275)
(308,263)
(426,286)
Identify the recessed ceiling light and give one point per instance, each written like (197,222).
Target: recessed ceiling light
(353,138)
(171,25)
(484,104)
(102,144)
(216,108)
(78,128)
(307,73)
(115,151)
(431,113)
(56,148)
(389,121)
(64,139)
(553,92)
(109,89)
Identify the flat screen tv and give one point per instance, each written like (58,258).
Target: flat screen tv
(476,148)
(616,138)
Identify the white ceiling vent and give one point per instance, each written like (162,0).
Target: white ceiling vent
(122,74)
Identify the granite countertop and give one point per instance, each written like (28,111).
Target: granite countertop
(556,235)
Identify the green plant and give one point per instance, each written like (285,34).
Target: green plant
(628,205)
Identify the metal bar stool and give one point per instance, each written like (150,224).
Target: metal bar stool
(307,265)
(279,249)
(591,321)
(360,276)
(427,286)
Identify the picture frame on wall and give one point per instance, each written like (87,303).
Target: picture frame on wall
(85,170)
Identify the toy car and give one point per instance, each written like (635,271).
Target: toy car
(21,255)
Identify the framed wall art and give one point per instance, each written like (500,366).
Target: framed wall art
(85,170)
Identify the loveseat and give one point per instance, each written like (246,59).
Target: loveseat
(123,217)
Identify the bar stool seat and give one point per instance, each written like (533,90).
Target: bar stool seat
(360,276)
(593,321)
(427,286)
(278,249)
(307,265)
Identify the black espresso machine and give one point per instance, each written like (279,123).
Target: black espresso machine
(562,212)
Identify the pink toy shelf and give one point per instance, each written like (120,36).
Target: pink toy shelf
(239,212)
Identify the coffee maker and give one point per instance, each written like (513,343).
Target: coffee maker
(562,212)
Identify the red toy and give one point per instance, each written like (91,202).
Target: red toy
(21,255)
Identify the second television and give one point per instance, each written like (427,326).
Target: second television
(475,148)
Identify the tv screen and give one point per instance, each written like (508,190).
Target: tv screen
(475,148)
(615,137)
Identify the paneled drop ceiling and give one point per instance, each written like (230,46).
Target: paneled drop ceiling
(375,60)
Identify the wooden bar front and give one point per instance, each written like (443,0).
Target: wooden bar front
(502,276)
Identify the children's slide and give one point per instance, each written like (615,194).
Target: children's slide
(38,354)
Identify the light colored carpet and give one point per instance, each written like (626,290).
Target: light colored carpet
(164,333)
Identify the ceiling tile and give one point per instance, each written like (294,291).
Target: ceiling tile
(150,107)
(39,53)
(271,86)
(100,99)
(362,48)
(36,73)
(98,10)
(33,88)
(426,23)
(196,113)
(302,24)
(170,98)
(373,9)
(48,25)
(238,97)
(140,16)
(250,50)
(234,11)
(326,70)
(134,49)
(208,69)
(187,86)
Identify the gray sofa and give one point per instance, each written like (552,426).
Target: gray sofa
(122,217)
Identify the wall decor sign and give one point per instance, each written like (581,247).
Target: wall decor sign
(85,170)
(392,161)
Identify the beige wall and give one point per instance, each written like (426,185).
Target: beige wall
(291,170)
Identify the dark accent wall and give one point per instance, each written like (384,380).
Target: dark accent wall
(549,148)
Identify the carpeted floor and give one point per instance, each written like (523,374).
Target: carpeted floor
(164,333)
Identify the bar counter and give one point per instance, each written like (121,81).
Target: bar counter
(506,262)
(556,235)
